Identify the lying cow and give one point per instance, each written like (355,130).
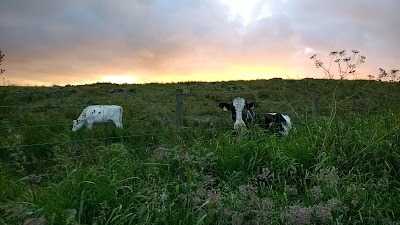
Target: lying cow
(244,114)
(98,114)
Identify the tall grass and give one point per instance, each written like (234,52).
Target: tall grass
(338,172)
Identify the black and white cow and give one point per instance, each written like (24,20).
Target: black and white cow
(244,114)
(277,123)
(99,114)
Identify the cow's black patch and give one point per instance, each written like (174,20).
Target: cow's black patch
(248,112)
(273,122)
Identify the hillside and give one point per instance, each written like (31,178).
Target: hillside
(151,100)
(339,166)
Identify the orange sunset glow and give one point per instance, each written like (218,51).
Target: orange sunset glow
(74,42)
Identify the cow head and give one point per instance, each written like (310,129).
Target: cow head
(242,113)
(77,124)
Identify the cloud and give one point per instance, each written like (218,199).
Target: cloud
(75,42)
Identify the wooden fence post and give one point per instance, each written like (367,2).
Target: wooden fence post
(179,107)
(315,106)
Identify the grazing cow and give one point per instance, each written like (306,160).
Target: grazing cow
(98,114)
(244,114)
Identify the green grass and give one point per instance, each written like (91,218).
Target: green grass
(337,168)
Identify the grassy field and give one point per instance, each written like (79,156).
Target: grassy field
(339,167)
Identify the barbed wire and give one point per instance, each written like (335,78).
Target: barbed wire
(165,111)
(91,154)
(36,176)
(76,157)
(190,99)
(75,105)
(39,106)
(131,121)
(69,124)
(189,102)
(108,138)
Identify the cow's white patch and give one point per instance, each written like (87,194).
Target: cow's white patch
(239,104)
(99,114)
(286,126)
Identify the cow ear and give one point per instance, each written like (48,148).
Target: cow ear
(253,105)
(225,106)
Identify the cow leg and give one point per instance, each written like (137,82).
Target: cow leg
(118,124)
(89,126)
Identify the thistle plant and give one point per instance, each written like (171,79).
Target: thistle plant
(2,70)
(391,76)
(1,60)
(346,65)
(388,77)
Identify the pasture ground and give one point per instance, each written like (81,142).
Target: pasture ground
(339,167)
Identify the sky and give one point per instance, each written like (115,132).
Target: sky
(47,42)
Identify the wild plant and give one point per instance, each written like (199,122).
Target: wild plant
(385,76)
(345,66)
(338,143)
(1,60)
(1,69)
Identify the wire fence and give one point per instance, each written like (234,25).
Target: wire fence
(307,102)
(196,111)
